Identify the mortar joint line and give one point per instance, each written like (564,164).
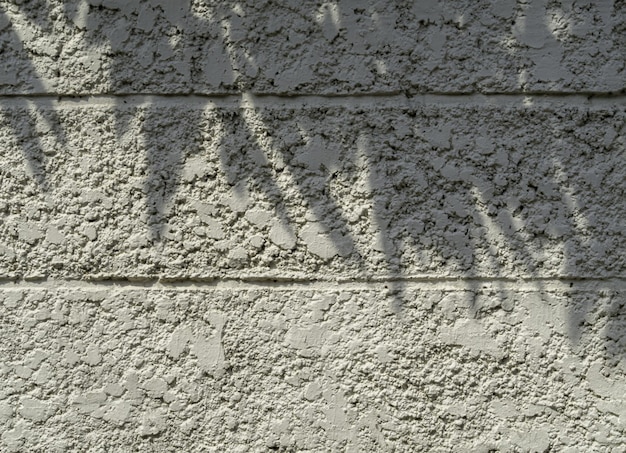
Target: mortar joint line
(225,283)
(246,100)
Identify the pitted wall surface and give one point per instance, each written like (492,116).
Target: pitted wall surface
(346,47)
(312,226)
(329,368)
(201,191)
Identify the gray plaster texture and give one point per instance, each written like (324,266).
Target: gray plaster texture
(182,191)
(165,46)
(326,368)
(312,226)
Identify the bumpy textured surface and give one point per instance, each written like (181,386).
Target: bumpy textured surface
(203,192)
(475,369)
(312,226)
(165,46)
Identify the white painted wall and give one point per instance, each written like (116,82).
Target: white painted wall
(312,226)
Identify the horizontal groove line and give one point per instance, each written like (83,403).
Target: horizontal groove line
(250,100)
(391,93)
(389,283)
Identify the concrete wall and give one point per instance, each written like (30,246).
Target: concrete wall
(312,226)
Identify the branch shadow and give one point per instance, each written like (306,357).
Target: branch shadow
(24,126)
(472,226)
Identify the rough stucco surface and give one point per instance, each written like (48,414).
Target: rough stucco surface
(312,226)
(324,47)
(257,368)
(197,192)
